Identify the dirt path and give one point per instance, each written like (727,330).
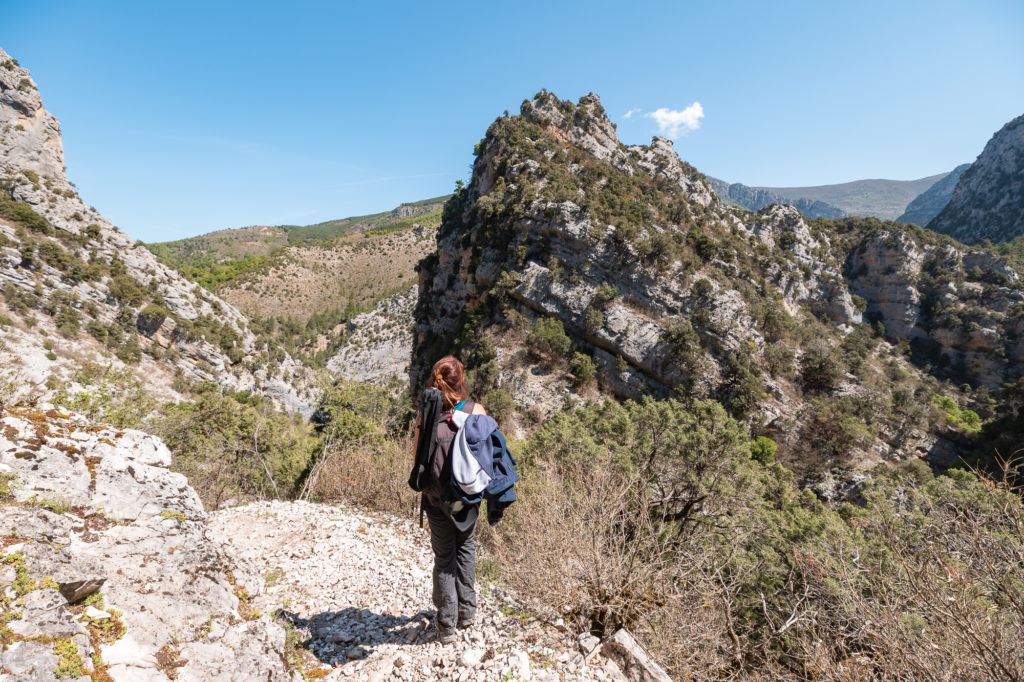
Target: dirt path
(355,587)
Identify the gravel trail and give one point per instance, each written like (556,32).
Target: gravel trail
(356,585)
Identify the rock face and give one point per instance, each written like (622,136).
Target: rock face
(928,203)
(988,202)
(962,308)
(123,574)
(567,241)
(108,296)
(378,347)
(549,240)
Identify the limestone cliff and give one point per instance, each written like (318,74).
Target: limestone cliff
(66,272)
(570,254)
(108,567)
(988,202)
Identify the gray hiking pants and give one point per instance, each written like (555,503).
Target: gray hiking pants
(454,569)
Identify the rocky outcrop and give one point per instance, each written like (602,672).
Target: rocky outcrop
(108,564)
(988,202)
(576,257)
(927,205)
(558,256)
(108,295)
(963,308)
(378,343)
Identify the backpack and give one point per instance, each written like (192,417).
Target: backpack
(431,402)
(476,465)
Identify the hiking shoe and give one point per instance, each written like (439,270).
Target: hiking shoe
(444,635)
(465,623)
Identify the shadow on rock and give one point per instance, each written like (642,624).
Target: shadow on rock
(351,634)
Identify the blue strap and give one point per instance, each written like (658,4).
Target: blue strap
(459,406)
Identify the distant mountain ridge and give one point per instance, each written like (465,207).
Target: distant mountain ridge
(261,240)
(927,205)
(876,198)
(988,201)
(222,256)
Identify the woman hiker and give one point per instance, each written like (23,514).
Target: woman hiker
(451,533)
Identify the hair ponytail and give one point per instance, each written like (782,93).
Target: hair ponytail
(449,377)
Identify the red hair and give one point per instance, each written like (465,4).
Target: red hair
(449,377)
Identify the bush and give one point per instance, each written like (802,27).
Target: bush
(603,295)
(655,517)
(151,317)
(229,449)
(364,457)
(499,405)
(630,485)
(68,321)
(22,214)
(111,396)
(593,320)
(762,449)
(126,290)
(820,368)
(129,352)
(584,369)
(547,338)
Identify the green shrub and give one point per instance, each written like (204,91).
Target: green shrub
(152,316)
(604,294)
(129,352)
(68,321)
(548,339)
(820,368)
(762,449)
(109,395)
(126,290)
(593,320)
(228,449)
(584,369)
(499,405)
(779,360)
(968,420)
(22,214)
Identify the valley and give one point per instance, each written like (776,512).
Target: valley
(753,438)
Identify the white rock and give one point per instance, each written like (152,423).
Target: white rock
(95,613)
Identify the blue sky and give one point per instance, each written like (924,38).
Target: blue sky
(181,118)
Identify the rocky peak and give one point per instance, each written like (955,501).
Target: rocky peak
(617,264)
(661,159)
(106,295)
(988,202)
(584,124)
(29,135)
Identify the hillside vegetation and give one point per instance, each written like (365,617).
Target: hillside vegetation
(219,257)
(300,284)
(302,296)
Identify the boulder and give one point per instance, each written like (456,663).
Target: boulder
(635,663)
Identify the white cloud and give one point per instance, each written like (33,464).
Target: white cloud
(673,123)
(631,112)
